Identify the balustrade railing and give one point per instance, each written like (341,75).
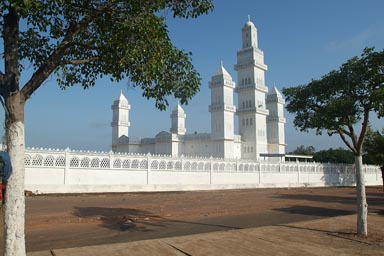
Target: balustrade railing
(52,158)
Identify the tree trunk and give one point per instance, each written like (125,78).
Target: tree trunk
(382,175)
(362,206)
(15,200)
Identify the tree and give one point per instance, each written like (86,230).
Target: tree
(80,41)
(338,155)
(374,148)
(341,103)
(302,150)
(296,155)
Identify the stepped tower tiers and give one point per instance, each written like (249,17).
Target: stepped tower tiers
(178,120)
(120,120)
(261,119)
(222,113)
(275,122)
(251,93)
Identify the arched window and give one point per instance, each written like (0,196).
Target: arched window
(246,121)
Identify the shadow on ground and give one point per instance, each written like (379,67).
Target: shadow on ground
(124,219)
(314,211)
(373,199)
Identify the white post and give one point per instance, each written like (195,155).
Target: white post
(148,167)
(298,173)
(111,159)
(66,166)
(211,170)
(377,171)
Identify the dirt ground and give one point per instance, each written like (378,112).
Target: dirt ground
(63,221)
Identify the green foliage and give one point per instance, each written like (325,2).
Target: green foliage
(374,148)
(302,150)
(338,155)
(82,40)
(342,99)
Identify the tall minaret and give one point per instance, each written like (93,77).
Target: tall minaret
(120,121)
(222,113)
(178,120)
(276,122)
(251,91)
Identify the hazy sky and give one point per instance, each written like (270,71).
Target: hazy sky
(301,40)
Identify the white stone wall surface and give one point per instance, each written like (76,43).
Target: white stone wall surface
(70,171)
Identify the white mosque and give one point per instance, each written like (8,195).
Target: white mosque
(260,115)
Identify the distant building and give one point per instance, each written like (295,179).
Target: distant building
(260,115)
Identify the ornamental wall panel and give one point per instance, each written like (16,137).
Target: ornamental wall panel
(58,171)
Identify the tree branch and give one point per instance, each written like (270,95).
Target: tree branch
(10,35)
(345,132)
(352,135)
(364,127)
(78,62)
(347,142)
(55,59)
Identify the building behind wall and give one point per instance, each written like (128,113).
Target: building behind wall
(260,115)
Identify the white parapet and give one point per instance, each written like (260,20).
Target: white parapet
(68,171)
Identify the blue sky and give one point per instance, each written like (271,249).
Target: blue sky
(301,40)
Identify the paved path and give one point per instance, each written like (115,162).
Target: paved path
(327,236)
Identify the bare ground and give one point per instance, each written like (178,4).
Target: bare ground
(63,221)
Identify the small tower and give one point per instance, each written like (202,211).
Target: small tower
(275,122)
(178,120)
(222,113)
(120,120)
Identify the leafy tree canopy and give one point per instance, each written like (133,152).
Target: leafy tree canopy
(338,155)
(82,40)
(302,150)
(339,103)
(342,99)
(374,147)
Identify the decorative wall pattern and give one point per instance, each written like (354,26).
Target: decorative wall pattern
(68,168)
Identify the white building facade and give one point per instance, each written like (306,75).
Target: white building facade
(260,115)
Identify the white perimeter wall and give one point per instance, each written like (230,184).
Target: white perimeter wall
(66,171)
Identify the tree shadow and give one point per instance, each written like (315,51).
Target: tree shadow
(339,178)
(122,219)
(347,234)
(132,220)
(319,198)
(329,232)
(315,211)
(373,199)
